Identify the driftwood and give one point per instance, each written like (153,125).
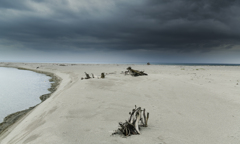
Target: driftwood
(133,72)
(102,75)
(87,76)
(132,126)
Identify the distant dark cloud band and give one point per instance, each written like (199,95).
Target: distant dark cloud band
(182,25)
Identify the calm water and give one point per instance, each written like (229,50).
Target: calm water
(20,89)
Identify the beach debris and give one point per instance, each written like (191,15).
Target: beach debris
(62,65)
(102,75)
(87,76)
(37,67)
(137,120)
(133,72)
(148,63)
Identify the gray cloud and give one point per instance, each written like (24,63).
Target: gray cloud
(172,25)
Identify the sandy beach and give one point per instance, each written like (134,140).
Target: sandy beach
(187,105)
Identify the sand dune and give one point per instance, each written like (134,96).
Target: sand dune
(187,105)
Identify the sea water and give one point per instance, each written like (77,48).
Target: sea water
(20,89)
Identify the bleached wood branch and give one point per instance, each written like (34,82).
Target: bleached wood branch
(132,127)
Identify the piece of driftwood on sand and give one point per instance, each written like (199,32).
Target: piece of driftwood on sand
(133,72)
(87,76)
(102,75)
(132,126)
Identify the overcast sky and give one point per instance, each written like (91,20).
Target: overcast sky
(195,31)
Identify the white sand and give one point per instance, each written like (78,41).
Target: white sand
(186,105)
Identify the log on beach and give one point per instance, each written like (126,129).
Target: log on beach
(133,72)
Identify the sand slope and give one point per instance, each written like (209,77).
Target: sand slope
(187,105)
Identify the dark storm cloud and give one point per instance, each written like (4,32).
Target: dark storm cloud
(182,25)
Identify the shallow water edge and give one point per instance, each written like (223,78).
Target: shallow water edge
(14,117)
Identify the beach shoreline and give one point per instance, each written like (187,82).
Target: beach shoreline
(12,118)
(187,104)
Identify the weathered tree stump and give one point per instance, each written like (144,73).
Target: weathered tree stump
(132,126)
(102,75)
